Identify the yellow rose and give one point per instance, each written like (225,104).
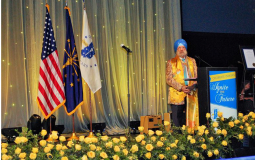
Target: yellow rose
(174,156)
(231,124)
(22,155)
(91,154)
(245,117)
(35,150)
(50,146)
(115,157)
(183,158)
(103,155)
(5,157)
(216,152)
(200,132)
(190,131)
(42,143)
(32,156)
(211,138)
(167,148)
(251,114)
(4,145)
(215,124)
(208,115)
(104,138)
(141,128)
(222,118)
(176,141)
(195,154)
(49,156)
(240,136)
(220,114)
(138,138)
(209,154)
(240,114)
(62,138)
(46,150)
(108,145)
(192,141)
(4,150)
(236,121)
(161,156)
(125,152)
(162,139)
(78,147)
(189,137)
(142,136)
(204,146)
(166,123)
(116,140)
(153,138)
(149,147)
(64,148)
(183,127)
(123,139)
(151,132)
(84,157)
(43,132)
(64,158)
(17,150)
(218,131)
(224,143)
(58,147)
(247,124)
(241,127)
(98,148)
(17,140)
(116,148)
(249,133)
(148,155)
(206,131)
(92,147)
(54,136)
(81,138)
(224,132)
(172,145)
(143,142)
(61,153)
(94,140)
(160,144)
(159,133)
(70,144)
(87,140)
(134,148)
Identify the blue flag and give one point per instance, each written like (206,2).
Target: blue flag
(71,71)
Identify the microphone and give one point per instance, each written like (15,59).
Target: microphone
(126,48)
(197,57)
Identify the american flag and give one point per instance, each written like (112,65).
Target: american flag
(51,93)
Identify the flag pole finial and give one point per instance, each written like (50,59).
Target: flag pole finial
(48,7)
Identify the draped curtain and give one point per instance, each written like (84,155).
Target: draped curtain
(148,27)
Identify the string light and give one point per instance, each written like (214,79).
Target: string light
(21,32)
(27,6)
(5,113)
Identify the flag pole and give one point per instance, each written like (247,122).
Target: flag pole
(73,134)
(50,139)
(90,114)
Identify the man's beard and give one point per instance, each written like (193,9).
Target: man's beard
(182,54)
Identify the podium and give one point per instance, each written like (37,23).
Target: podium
(217,92)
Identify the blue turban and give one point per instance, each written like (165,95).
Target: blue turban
(180,42)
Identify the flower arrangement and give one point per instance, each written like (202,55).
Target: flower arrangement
(211,141)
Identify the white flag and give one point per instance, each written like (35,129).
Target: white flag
(88,62)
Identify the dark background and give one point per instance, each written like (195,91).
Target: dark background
(215,29)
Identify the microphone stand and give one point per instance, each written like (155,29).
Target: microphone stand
(200,59)
(128,51)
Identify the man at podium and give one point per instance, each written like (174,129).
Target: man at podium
(182,96)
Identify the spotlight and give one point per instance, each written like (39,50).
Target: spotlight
(34,124)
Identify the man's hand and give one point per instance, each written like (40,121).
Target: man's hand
(185,89)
